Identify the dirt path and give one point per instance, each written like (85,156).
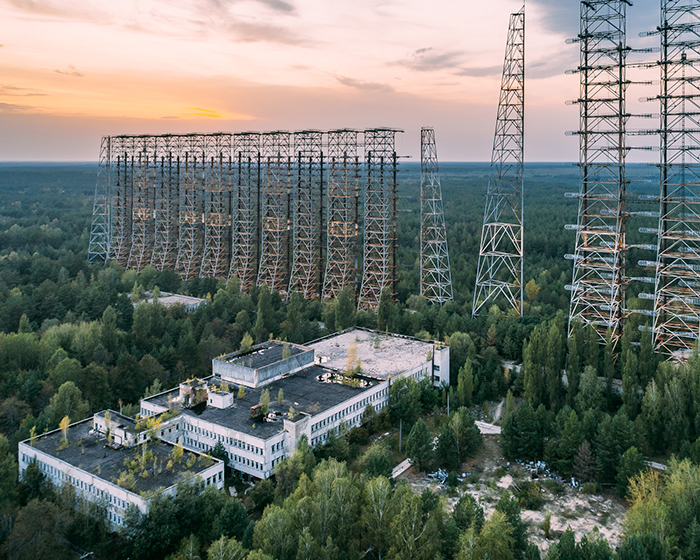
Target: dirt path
(499,410)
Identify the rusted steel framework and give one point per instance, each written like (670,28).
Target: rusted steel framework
(167,198)
(308,217)
(277,208)
(435,275)
(379,216)
(100,228)
(246,209)
(122,198)
(217,207)
(343,213)
(275,211)
(143,203)
(597,291)
(191,207)
(500,270)
(677,295)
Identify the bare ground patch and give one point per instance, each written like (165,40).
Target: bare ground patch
(487,476)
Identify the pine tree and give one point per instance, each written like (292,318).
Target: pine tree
(633,549)
(569,443)
(264,401)
(573,362)
(584,468)
(345,309)
(609,369)
(386,311)
(264,321)
(554,361)
(630,384)
(419,446)
(630,465)
(465,384)
(590,394)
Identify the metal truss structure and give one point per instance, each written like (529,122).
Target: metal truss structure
(277,208)
(435,275)
(343,213)
(143,203)
(500,269)
(122,199)
(167,201)
(275,211)
(677,293)
(246,209)
(217,207)
(597,291)
(307,214)
(379,216)
(191,207)
(100,228)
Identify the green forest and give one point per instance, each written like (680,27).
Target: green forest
(72,343)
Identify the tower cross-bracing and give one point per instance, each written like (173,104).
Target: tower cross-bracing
(191,207)
(122,152)
(100,228)
(598,286)
(500,269)
(290,210)
(343,206)
(167,198)
(435,275)
(379,216)
(246,209)
(307,214)
(217,207)
(677,295)
(142,208)
(275,211)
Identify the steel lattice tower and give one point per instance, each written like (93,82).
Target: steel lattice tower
(122,199)
(142,208)
(435,275)
(677,294)
(167,194)
(307,214)
(191,207)
(500,269)
(217,207)
(274,254)
(597,291)
(379,216)
(343,213)
(246,209)
(100,234)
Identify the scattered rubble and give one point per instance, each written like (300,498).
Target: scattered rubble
(488,475)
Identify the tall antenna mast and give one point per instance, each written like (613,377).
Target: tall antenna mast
(435,276)
(500,271)
(598,287)
(677,294)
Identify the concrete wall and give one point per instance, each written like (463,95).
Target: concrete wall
(254,378)
(248,454)
(348,413)
(91,487)
(441,366)
(114,498)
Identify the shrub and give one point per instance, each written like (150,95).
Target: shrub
(529,496)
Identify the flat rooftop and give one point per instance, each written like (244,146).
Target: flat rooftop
(263,355)
(309,391)
(87,450)
(379,355)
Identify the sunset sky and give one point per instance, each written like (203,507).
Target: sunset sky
(72,71)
